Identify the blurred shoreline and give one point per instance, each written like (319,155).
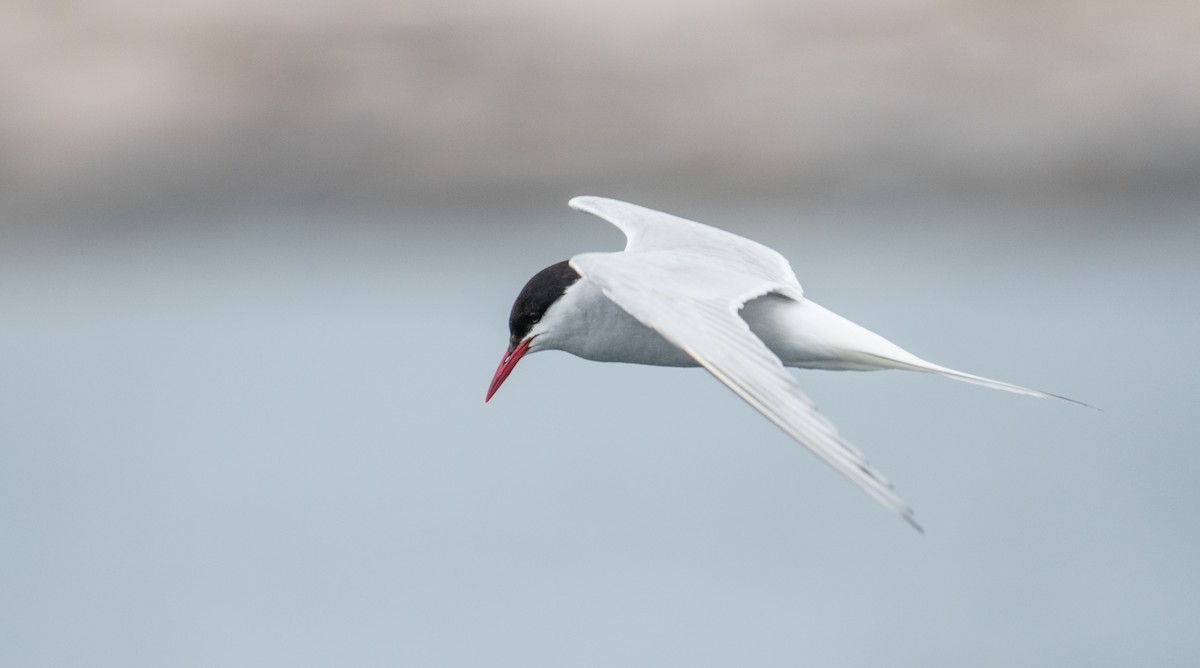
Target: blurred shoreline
(133,110)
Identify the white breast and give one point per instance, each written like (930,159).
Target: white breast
(585,323)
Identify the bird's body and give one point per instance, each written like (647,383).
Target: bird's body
(686,294)
(801,333)
(589,325)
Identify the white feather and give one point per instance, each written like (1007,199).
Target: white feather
(683,293)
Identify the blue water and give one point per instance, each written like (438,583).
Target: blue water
(253,442)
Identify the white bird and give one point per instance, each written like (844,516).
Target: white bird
(686,294)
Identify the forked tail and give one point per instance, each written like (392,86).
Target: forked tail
(929,367)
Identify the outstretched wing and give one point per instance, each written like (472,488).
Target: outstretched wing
(691,297)
(650,230)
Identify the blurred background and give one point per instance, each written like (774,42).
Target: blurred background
(256,263)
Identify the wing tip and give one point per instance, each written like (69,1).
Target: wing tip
(587,203)
(1051,395)
(907,515)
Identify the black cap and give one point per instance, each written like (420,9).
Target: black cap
(539,293)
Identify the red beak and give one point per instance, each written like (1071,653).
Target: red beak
(507,364)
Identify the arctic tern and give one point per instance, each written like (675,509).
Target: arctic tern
(686,294)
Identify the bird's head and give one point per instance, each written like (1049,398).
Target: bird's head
(528,320)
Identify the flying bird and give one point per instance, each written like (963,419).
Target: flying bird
(684,294)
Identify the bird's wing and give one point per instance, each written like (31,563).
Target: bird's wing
(692,299)
(650,230)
